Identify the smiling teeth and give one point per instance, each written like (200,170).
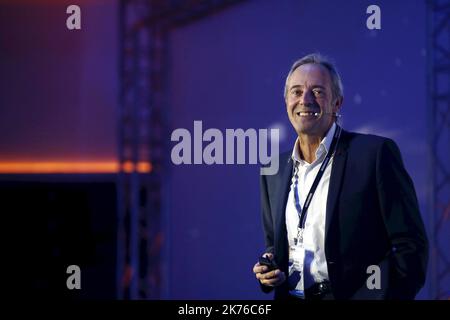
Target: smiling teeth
(307,113)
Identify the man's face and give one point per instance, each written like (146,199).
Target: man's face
(309,92)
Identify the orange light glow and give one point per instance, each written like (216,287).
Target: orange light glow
(71,167)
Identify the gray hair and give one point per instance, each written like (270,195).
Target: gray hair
(336,84)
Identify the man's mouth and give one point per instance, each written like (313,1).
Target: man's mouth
(307,113)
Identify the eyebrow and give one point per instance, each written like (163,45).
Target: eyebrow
(301,86)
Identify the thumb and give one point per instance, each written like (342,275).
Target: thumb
(268,255)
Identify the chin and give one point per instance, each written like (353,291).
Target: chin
(305,128)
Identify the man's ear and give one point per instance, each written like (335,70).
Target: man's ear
(338,104)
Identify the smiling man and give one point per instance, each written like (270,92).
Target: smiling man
(341,206)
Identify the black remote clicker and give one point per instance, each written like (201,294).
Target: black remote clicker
(271,264)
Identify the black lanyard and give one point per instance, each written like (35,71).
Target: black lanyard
(302,211)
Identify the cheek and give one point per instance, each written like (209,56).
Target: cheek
(325,103)
(291,103)
(289,114)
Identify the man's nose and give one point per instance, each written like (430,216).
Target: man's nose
(307,98)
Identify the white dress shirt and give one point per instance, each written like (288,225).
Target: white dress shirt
(314,266)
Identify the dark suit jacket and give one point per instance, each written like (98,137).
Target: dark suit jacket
(372,218)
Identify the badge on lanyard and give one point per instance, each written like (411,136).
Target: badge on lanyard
(297,255)
(298,241)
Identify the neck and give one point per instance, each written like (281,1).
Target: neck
(309,143)
(308,146)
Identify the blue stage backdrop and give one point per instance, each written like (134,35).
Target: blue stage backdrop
(229,70)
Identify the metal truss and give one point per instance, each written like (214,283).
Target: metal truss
(144,26)
(438,95)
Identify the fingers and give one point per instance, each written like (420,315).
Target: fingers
(271,282)
(269,275)
(266,277)
(273,278)
(257,268)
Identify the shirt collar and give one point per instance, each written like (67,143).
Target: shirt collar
(322,149)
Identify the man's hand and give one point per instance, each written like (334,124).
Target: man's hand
(272,278)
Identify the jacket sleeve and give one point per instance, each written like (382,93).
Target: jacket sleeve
(403,223)
(267,223)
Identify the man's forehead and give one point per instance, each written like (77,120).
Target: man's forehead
(310,74)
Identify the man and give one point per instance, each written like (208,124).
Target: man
(340,218)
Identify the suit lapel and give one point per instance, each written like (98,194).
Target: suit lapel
(337,173)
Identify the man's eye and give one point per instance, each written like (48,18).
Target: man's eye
(317,92)
(296,93)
